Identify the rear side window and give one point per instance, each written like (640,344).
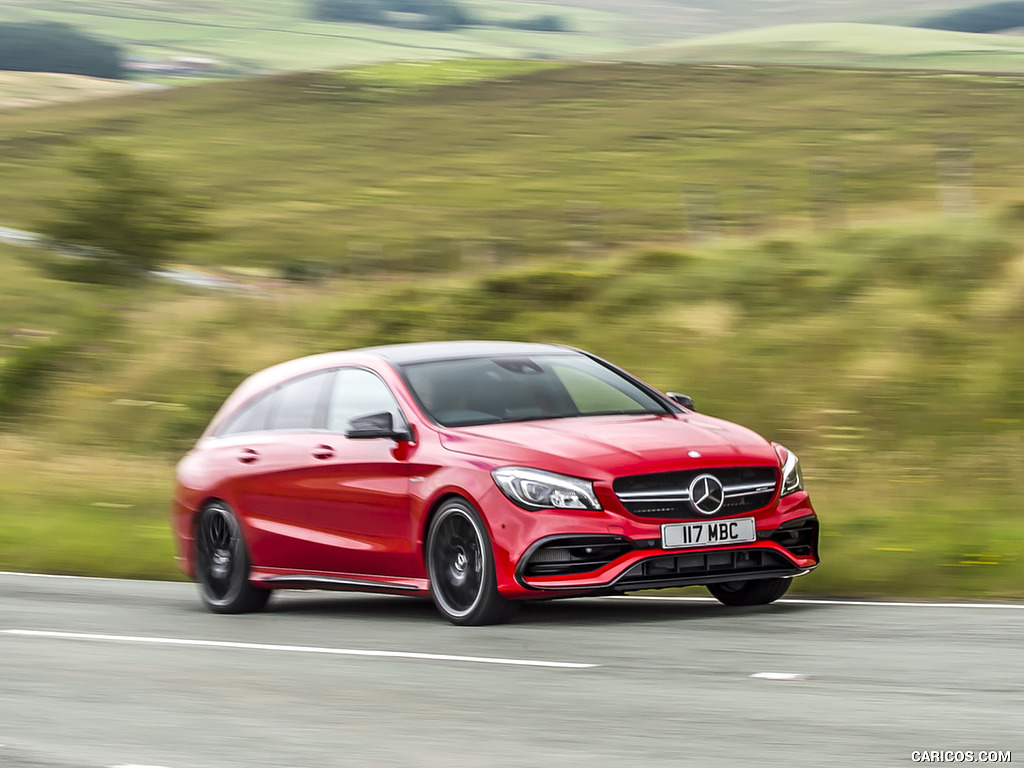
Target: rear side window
(358,392)
(252,418)
(299,404)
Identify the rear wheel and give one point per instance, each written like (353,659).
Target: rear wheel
(460,563)
(759,592)
(222,563)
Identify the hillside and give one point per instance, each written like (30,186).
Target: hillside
(850,45)
(337,167)
(780,244)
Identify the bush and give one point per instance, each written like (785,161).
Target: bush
(125,225)
(544,285)
(24,373)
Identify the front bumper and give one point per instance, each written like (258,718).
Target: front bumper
(577,555)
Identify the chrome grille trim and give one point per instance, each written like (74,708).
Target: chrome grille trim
(745,489)
(683,495)
(731,491)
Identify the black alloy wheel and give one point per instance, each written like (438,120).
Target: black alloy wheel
(222,563)
(757,592)
(460,564)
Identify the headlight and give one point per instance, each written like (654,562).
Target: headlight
(535,489)
(792,477)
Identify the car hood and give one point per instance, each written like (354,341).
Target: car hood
(615,445)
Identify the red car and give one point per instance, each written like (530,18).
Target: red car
(482,474)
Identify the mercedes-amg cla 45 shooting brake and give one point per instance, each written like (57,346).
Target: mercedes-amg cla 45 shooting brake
(482,474)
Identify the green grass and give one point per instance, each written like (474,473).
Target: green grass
(84,514)
(850,45)
(878,338)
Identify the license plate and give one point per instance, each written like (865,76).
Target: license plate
(709,534)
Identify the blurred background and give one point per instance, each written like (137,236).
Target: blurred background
(808,216)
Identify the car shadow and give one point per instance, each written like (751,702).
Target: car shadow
(568,612)
(597,611)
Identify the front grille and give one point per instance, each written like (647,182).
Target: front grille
(667,494)
(574,554)
(703,565)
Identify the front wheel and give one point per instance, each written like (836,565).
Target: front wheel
(759,592)
(460,564)
(222,563)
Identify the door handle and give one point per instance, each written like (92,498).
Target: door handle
(248,455)
(323,452)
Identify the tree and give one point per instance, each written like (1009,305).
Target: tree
(354,11)
(125,222)
(55,47)
(994,17)
(443,15)
(547,23)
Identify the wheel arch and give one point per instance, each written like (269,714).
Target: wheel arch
(432,509)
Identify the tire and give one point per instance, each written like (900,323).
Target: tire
(757,592)
(460,565)
(222,563)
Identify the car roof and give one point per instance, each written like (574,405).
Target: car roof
(408,354)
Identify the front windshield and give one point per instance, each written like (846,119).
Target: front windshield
(489,390)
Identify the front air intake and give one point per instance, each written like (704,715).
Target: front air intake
(568,555)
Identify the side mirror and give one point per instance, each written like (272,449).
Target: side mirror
(684,400)
(375,425)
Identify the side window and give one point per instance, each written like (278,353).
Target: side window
(359,392)
(299,404)
(252,418)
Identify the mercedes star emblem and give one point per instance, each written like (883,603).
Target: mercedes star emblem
(707,494)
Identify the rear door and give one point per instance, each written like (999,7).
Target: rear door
(274,490)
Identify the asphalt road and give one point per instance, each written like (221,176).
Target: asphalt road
(95,673)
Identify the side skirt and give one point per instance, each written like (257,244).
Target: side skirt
(341,583)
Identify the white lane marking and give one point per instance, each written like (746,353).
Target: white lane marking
(813,601)
(295,649)
(133,765)
(780,676)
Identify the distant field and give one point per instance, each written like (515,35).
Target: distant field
(278,35)
(854,45)
(31,89)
